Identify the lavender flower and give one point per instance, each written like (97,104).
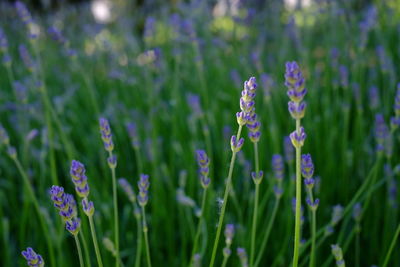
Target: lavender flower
(79,178)
(193,101)
(241,252)
(374,97)
(338,254)
(229,233)
(295,82)
(247,101)
(381,132)
(26,57)
(66,205)
(298,138)
(23,12)
(32,258)
(277,166)
(395,120)
(143,185)
(203,161)
(106,135)
(127,189)
(288,148)
(267,84)
(3,41)
(307,166)
(357,212)
(344,76)
(236,145)
(56,35)
(312,204)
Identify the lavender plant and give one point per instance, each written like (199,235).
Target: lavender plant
(79,179)
(294,81)
(106,136)
(32,258)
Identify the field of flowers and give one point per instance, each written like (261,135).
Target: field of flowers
(196,135)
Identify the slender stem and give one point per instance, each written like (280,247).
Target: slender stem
(36,205)
(85,249)
(255,213)
(298,203)
(254,226)
(358,248)
(116,226)
(196,239)
(313,234)
(227,189)
(267,233)
(78,247)
(392,244)
(146,238)
(224,261)
(139,242)
(95,243)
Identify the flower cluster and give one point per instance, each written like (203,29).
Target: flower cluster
(338,254)
(279,172)
(26,57)
(203,161)
(395,120)
(143,185)
(288,148)
(295,83)
(79,179)
(229,233)
(106,136)
(127,189)
(66,205)
(337,215)
(32,258)
(247,116)
(23,12)
(382,134)
(133,134)
(307,170)
(3,41)
(244,261)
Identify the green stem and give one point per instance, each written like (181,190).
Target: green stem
(139,242)
(78,247)
(95,243)
(267,233)
(392,244)
(116,227)
(37,207)
(313,235)
(224,261)
(226,193)
(196,239)
(257,181)
(146,238)
(298,203)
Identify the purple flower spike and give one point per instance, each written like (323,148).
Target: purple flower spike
(66,205)
(241,252)
(297,109)
(106,135)
(236,146)
(313,204)
(277,166)
(257,177)
(26,57)
(73,226)
(278,191)
(229,233)
(133,134)
(357,212)
(143,185)
(23,12)
(32,258)
(295,82)
(88,207)
(288,148)
(307,166)
(127,188)
(203,161)
(56,35)
(381,132)
(298,138)
(112,161)
(79,178)
(3,41)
